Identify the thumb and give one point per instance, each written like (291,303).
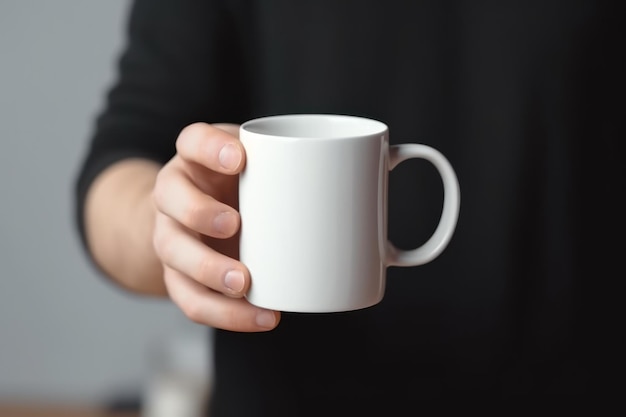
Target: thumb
(230,128)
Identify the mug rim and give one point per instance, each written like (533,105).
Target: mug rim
(360,126)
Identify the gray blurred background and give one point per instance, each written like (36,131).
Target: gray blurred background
(66,334)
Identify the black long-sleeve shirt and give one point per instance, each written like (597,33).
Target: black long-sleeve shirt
(525,98)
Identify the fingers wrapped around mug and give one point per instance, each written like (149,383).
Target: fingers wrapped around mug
(215,147)
(204,306)
(207,286)
(196,226)
(178,196)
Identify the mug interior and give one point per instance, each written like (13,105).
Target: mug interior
(315,126)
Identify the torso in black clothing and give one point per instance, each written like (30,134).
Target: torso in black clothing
(511,93)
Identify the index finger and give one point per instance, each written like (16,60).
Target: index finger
(213,146)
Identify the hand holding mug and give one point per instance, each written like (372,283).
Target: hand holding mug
(196,228)
(312,195)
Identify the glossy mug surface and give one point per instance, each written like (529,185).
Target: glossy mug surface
(313,205)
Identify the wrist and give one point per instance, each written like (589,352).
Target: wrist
(120,220)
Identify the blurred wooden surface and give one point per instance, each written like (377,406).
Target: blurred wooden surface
(18,410)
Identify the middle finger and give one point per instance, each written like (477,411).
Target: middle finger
(178,197)
(184,252)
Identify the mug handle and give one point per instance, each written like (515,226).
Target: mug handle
(450,212)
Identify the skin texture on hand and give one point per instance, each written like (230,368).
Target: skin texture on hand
(119,222)
(187,243)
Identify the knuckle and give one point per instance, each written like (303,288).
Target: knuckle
(194,311)
(159,190)
(157,196)
(156,243)
(193,215)
(233,316)
(163,243)
(187,302)
(205,270)
(188,134)
(231,319)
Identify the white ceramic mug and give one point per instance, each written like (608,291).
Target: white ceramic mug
(313,205)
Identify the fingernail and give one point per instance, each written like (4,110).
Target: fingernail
(234,280)
(266,319)
(224,223)
(230,156)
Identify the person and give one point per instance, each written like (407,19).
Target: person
(524,98)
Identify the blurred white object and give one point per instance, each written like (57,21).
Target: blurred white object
(179,376)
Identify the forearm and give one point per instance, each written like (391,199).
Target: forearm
(119,221)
